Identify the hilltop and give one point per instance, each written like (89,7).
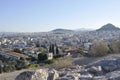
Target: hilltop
(108,27)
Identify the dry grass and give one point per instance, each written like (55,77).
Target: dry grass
(60,63)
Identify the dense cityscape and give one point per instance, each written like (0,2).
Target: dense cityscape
(56,48)
(25,49)
(59,40)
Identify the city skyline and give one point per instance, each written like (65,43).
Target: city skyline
(42,16)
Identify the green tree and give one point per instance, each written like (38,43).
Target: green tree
(53,48)
(99,48)
(81,50)
(50,48)
(1,67)
(42,57)
(6,68)
(21,64)
(57,50)
(115,46)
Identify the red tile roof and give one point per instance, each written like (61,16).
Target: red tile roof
(13,53)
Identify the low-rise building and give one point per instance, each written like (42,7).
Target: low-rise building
(49,56)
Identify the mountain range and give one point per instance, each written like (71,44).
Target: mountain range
(62,31)
(107,27)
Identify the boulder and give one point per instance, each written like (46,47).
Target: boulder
(74,76)
(95,70)
(27,75)
(99,78)
(53,75)
(62,73)
(115,75)
(76,67)
(107,65)
(39,74)
(118,62)
(85,75)
(110,68)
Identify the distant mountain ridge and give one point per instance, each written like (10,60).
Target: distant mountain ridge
(84,29)
(108,27)
(62,31)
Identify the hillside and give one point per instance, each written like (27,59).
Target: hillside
(108,27)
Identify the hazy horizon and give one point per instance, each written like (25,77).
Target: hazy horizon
(47,15)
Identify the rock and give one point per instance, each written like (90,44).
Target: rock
(53,74)
(107,62)
(77,67)
(74,76)
(110,68)
(62,73)
(115,75)
(96,70)
(107,65)
(27,75)
(65,78)
(85,78)
(101,70)
(39,74)
(84,72)
(68,69)
(118,62)
(99,78)
(85,75)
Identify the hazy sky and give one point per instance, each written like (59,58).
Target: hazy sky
(45,15)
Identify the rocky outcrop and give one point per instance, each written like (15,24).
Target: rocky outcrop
(40,74)
(53,74)
(106,69)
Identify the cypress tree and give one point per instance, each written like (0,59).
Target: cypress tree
(57,50)
(53,49)
(50,48)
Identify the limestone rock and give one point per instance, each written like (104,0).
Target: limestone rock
(74,76)
(99,78)
(53,74)
(39,74)
(96,70)
(115,75)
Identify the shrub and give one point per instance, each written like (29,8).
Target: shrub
(115,46)
(64,62)
(50,61)
(58,56)
(34,66)
(81,51)
(99,49)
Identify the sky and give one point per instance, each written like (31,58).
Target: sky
(46,15)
